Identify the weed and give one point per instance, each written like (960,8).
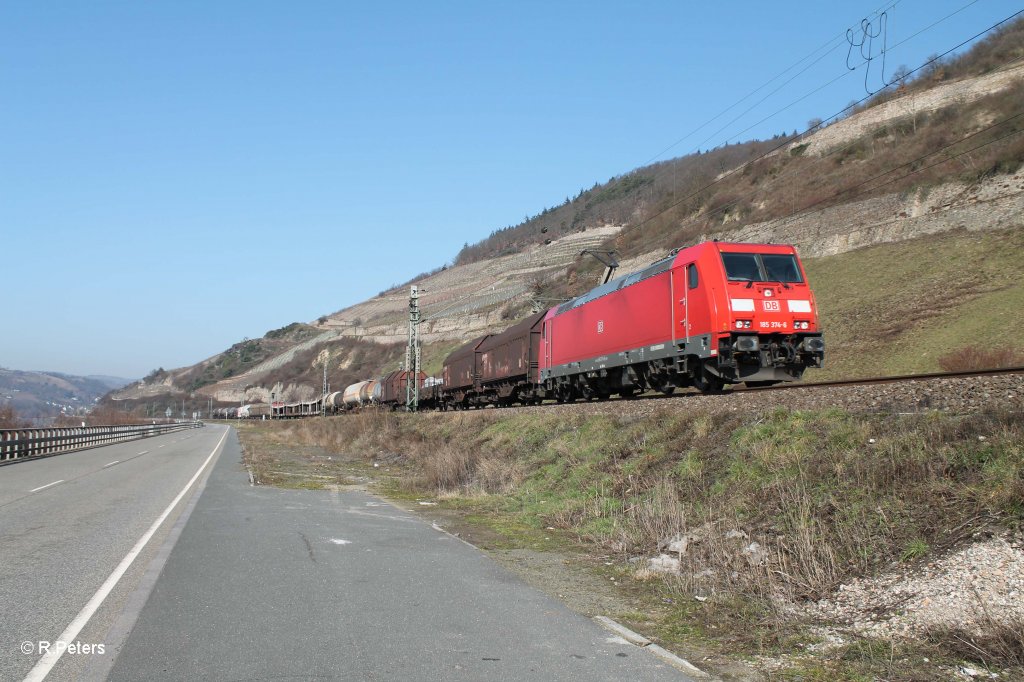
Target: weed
(915,549)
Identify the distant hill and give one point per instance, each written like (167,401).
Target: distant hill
(43,396)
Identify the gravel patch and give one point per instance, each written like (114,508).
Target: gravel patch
(967,589)
(960,395)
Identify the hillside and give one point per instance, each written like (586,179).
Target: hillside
(43,396)
(874,201)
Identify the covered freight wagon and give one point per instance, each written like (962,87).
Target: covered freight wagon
(393,387)
(459,373)
(508,363)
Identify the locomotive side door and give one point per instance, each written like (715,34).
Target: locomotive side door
(546,341)
(696,307)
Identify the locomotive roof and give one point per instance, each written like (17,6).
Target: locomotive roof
(651,270)
(659,267)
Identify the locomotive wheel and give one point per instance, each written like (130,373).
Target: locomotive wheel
(663,385)
(708,382)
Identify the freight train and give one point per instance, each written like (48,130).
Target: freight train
(707,316)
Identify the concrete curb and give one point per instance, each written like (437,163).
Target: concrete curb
(642,642)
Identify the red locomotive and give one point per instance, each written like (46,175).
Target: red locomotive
(713,314)
(709,315)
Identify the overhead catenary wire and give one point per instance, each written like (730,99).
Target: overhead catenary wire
(787,140)
(819,89)
(788,172)
(838,37)
(811,208)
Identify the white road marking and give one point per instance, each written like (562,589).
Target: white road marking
(35,490)
(143,452)
(45,664)
(339,541)
(160,446)
(110,464)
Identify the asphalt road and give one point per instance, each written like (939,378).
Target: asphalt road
(59,541)
(246,583)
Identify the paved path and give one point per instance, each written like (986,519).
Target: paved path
(266,583)
(244,583)
(59,543)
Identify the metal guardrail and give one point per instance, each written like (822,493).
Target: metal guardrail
(18,444)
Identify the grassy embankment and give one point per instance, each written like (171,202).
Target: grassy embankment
(898,308)
(825,503)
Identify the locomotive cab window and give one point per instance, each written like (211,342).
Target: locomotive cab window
(781,268)
(756,267)
(691,275)
(741,267)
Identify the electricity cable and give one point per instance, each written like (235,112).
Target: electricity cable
(791,138)
(769,82)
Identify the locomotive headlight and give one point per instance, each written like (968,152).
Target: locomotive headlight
(743,324)
(800,324)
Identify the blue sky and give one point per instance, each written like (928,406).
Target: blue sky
(175,176)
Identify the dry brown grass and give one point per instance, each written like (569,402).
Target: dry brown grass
(996,644)
(970,358)
(9,418)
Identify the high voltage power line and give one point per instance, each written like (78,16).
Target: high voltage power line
(659,173)
(786,173)
(835,43)
(769,82)
(807,209)
(787,140)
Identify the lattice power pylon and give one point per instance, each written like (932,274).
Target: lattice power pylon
(412,352)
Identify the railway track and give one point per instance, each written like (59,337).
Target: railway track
(804,385)
(887,380)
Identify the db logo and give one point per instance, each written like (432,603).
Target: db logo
(600,326)
(771,306)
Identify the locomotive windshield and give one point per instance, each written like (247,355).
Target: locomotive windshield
(758,267)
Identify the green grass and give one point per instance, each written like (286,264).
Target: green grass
(432,355)
(896,308)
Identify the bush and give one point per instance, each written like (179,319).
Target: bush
(971,358)
(9,419)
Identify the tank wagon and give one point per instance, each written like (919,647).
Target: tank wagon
(358,395)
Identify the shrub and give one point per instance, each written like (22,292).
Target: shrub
(970,358)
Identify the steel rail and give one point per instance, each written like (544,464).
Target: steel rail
(889,379)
